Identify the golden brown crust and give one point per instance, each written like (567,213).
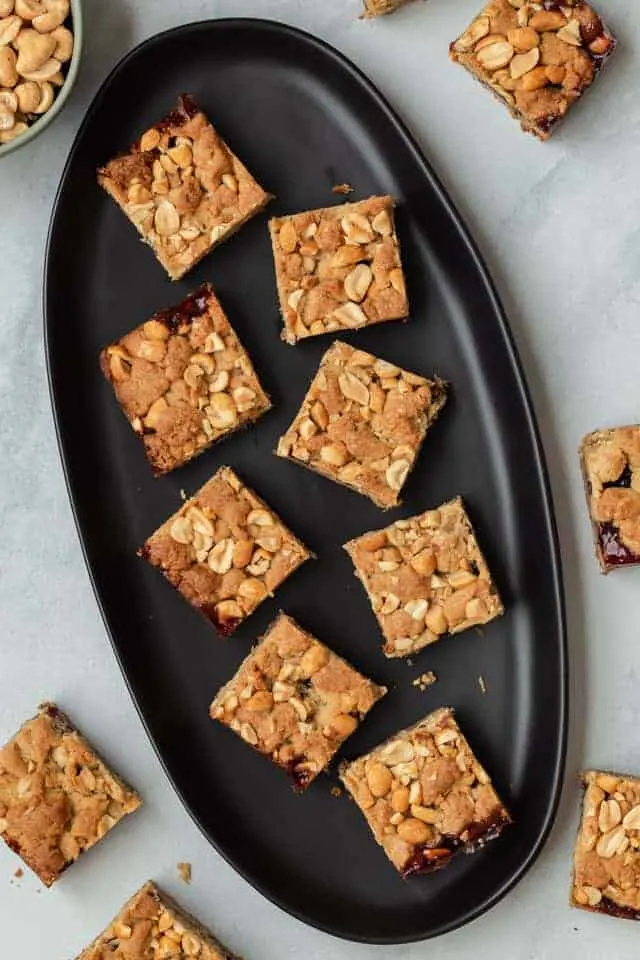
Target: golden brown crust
(362,422)
(538,58)
(295,700)
(184,380)
(610,462)
(606,876)
(57,797)
(338,268)
(183,188)
(225,551)
(425,796)
(425,577)
(151,926)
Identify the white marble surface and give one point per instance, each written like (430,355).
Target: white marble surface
(558,224)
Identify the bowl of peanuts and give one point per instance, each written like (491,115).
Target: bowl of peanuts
(40,45)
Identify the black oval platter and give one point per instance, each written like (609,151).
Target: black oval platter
(303,118)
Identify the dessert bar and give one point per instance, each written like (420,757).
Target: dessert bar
(611,470)
(57,797)
(379,8)
(606,875)
(538,58)
(184,380)
(338,268)
(295,700)
(425,796)
(151,926)
(425,577)
(182,188)
(362,422)
(225,551)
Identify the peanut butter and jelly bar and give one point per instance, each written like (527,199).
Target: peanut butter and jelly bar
(606,875)
(425,577)
(225,551)
(362,422)
(295,700)
(338,268)
(151,926)
(182,188)
(425,796)
(611,469)
(184,380)
(379,8)
(539,58)
(57,797)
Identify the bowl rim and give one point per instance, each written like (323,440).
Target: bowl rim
(74,65)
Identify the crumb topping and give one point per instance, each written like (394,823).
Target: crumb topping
(338,268)
(607,853)
(57,798)
(363,421)
(184,380)
(611,467)
(538,58)
(152,927)
(295,700)
(425,577)
(425,796)
(225,551)
(183,188)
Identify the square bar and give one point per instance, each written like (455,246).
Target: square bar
(225,551)
(338,268)
(182,188)
(606,876)
(152,926)
(610,462)
(537,58)
(57,797)
(425,796)
(184,380)
(425,577)
(295,700)
(362,422)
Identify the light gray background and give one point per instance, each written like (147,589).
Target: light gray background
(559,224)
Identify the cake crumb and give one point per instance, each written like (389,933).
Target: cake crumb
(425,680)
(336,792)
(482,684)
(184,869)
(19,874)
(183,495)
(342,188)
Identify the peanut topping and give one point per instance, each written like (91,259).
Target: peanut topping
(57,798)
(184,380)
(338,268)
(539,61)
(425,795)
(425,577)
(607,852)
(183,188)
(225,551)
(151,926)
(362,422)
(298,700)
